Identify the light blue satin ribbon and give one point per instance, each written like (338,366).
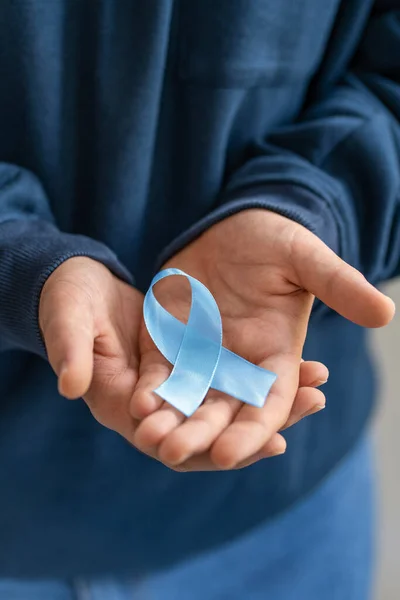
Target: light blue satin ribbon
(195,350)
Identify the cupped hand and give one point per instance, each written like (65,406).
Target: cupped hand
(90,321)
(264,271)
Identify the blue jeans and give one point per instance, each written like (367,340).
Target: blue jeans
(320,549)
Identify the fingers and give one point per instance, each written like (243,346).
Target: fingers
(308,401)
(306,398)
(175,440)
(312,374)
(69,335)
(202,462)
(274,447)
(337,284)
(154,370)
(164,430)
(110,393)
(196,434)
(254,427)
(156,427)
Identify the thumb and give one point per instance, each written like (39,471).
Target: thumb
(338,285)
(67,326)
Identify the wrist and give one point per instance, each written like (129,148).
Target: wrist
(296,203)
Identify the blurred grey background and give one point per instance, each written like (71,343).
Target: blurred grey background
(386,347)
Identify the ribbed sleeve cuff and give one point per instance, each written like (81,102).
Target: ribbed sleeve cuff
(30,250)
(295,202)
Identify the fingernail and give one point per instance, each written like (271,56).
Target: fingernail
(392,301)
(63,371)
(277,452)
(319,382)
(314,410)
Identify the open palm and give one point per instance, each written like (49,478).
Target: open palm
(91,322)
(263,271)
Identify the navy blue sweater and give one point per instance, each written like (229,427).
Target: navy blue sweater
(127,128)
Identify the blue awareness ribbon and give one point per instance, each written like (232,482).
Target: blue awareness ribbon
(195,350)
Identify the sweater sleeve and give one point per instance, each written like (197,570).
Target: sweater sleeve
(337,169)
(31,247)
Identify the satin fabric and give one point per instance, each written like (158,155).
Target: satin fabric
(195,350)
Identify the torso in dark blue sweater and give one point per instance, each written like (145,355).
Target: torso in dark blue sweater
(137,124)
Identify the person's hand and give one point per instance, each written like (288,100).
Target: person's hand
(90,323)
(264,271)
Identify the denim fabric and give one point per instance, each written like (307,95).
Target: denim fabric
(322,549)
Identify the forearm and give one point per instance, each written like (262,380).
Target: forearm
(336,170)
(31,248)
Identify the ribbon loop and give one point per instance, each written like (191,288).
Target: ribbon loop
(195,350)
